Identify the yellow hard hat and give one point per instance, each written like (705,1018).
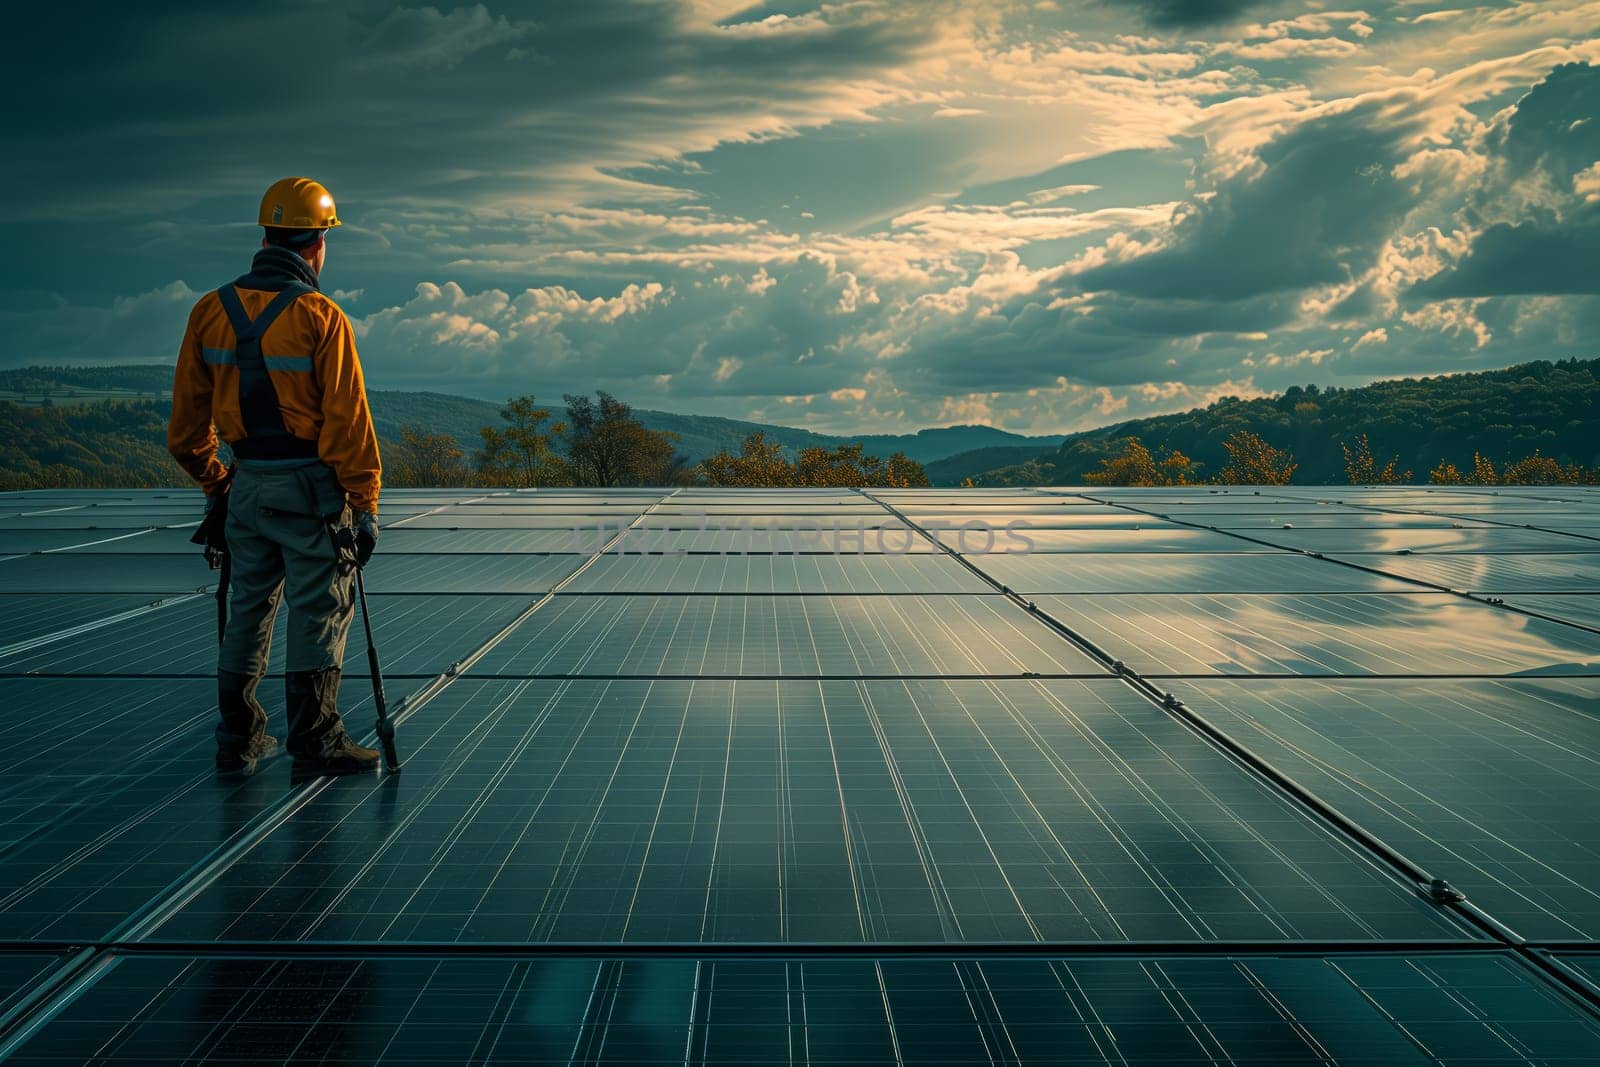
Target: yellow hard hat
(298,204)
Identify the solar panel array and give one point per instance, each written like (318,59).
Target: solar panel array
(1190,775)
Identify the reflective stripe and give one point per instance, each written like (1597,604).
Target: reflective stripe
(301,364)
(226,357)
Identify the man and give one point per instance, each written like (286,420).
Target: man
(270,363)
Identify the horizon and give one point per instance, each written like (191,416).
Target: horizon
(911,432)
(1044,218)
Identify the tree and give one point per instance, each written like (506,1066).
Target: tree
(1251,461)
(425,459)
(655,460)
(1134,465)
(1361,469)
(1483,472)
(760,463)
(900,471)
(523,453)
(1445,474)
(843,467)
(607,446)
(1179,469)
(1540,470)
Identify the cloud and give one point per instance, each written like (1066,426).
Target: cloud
(1440,15)
(1040,197)
(1523,258)
(142,328)
(1294,48)
(870,213)
(596,89)
(1315,210)
(1541,151)
(426,38)
(1179,14)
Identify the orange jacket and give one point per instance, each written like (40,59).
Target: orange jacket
(310,351)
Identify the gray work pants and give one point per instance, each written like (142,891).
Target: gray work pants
(278,539)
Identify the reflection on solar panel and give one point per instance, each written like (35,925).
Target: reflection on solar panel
(1531,573)
(825,776)
(1392,634)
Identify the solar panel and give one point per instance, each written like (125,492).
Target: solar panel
(19,971)
(462,573)
(16,542)
(1145,790)
(1307,517)
(1531,573)
(418,634)
(95,574)
(1180,572)
(1587,963)
(1477,540)
(753,635)
(1390,1009)
(1582,609)
(1491,783)
(1150,536)
(27,618)
(653,536)
(1578,520)
(410,540)
(1392,634)
(778,573)
(107,800)
(161,539)
(530,518)
(677,811)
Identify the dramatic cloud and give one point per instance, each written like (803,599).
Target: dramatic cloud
(844,215)
(1191,13)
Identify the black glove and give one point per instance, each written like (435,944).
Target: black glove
(366,536)
(211,533)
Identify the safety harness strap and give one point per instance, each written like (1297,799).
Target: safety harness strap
(266,437)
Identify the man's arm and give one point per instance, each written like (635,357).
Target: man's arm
(348,443)
(191,438)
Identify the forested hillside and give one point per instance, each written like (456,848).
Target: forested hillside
(698,436)
(1503,415)
(72,429)
(116,443)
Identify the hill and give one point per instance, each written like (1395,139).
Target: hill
(698,435)
(703,435)
(105,426)
(1503,414)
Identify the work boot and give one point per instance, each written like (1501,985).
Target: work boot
(317,740)
(242,738)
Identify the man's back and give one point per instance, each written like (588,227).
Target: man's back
(311,359)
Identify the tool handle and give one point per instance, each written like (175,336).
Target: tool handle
(385,726)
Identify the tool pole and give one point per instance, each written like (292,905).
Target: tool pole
(391,757)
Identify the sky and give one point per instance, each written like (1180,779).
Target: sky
(870,215)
